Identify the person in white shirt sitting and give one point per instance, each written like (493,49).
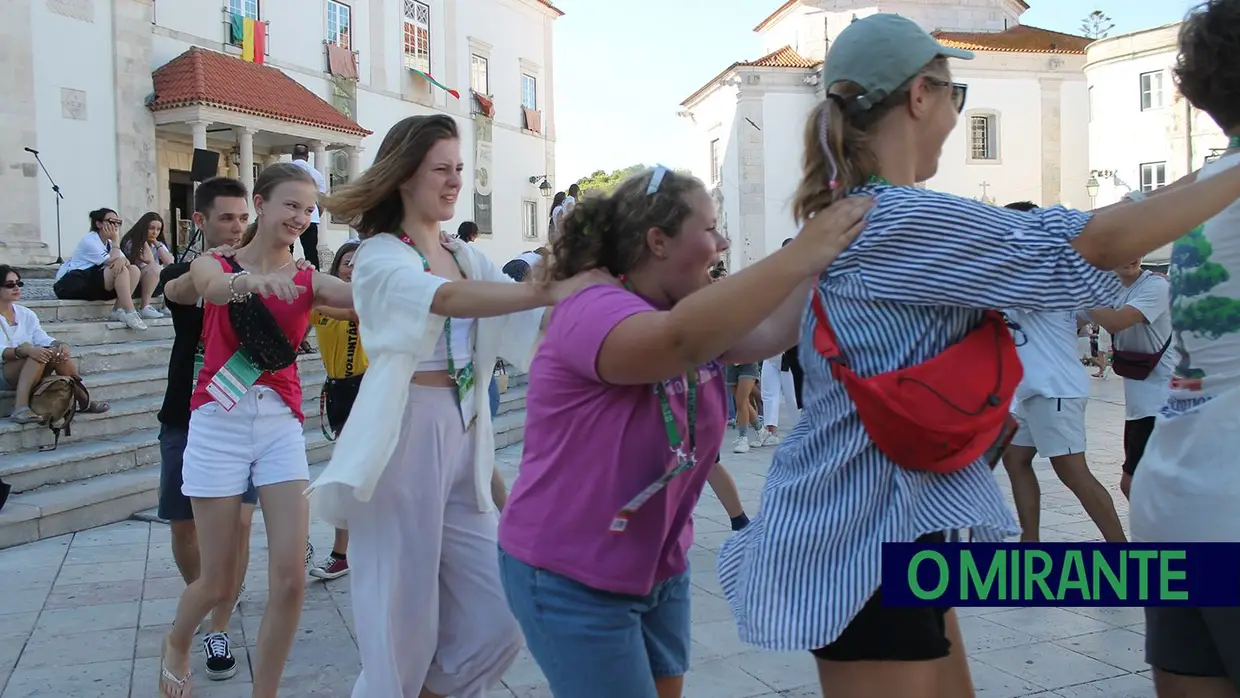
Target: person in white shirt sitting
(28,352)
(97,271)
(143,246)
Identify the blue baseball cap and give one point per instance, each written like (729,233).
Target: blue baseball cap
(880,53)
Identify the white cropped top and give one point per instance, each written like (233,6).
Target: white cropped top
(462,350)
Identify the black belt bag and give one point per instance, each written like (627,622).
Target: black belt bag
(335,403)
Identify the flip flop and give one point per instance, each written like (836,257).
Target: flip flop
(97,407)
(25,416)
(169,685)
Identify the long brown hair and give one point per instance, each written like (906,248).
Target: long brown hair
(372,203)
(135,238)
(609,232)
(846,134)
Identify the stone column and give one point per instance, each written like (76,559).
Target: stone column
(750,151)
(22,229)
(135,125)
(355,162)
(1052,139)
(320,158)
(199,129)
(245,142)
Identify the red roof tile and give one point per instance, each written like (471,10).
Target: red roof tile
(210,78)
(785,57)
(1020,38)
(548,4)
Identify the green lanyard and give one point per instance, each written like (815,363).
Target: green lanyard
(447,322)
(875,179)
(1233,142)
(684,459)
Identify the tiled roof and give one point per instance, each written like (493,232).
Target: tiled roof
(788,5)
(1020,38)
(548,4)
(785,57)
(210,78)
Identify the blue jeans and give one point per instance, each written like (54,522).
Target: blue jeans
(731,405)
(493,393)
(598,644)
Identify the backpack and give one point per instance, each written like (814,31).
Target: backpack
(57,400)
(941,415)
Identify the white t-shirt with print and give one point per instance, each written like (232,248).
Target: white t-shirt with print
(1188,484)
(90,252)
(1151,295)
(1046,344)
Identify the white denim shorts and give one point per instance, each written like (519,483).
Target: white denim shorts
(259,439)
(1055,426)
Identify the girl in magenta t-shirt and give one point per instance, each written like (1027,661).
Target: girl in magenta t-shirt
(626,411)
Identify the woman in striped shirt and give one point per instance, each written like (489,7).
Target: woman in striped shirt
(805,574)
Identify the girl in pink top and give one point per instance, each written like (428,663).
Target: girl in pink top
(626,410)
(246,426)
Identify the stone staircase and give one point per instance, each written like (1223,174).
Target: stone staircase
(108,470)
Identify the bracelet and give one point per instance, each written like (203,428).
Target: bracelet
(232,288)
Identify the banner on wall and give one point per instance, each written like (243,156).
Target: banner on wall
(482,174)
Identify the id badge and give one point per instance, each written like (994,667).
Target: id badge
(465,393)
(233,380)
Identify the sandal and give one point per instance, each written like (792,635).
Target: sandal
(25,416)
(97,407)
(169,685)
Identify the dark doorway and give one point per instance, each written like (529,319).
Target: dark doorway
(180,207)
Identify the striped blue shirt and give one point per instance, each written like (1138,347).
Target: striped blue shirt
(917,280)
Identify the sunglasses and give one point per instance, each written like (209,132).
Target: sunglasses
(113,221)
(959,91)
(14,284)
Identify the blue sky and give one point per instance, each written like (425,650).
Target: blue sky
(622,67)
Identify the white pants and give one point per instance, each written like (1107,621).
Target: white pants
(777,388)
(428,605)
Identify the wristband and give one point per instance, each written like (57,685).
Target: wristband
(1135,196)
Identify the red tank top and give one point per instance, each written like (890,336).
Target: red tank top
(220,343)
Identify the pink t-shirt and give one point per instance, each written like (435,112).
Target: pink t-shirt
(591,446)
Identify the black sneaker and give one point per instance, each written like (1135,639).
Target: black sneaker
(220,662)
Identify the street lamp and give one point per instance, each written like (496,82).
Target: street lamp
(1091,187)
(545,187)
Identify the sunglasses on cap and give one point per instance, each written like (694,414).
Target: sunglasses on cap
(959,91)
(13,284)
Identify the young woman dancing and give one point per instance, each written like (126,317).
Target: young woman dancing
(804,575)
(595,560)
(246,424)
(411,475)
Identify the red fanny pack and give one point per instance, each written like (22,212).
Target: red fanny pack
(941,415)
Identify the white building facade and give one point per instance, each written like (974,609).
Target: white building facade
(1023,134)
(116,95)
(1142,133)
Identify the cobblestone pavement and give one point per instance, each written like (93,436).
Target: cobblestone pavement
(82,615)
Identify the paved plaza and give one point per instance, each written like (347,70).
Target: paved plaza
(82,615)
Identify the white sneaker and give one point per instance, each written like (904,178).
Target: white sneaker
(117,315)
(132,320)
(769,438)
(150,313)
(741,445)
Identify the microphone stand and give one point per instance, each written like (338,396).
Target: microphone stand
(56,190)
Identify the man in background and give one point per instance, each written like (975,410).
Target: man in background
(310,238)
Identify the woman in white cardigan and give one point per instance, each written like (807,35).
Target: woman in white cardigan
(411,474)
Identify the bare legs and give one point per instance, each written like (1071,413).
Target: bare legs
(124,282)
(1072,471)
(185,554)
(148,279)
(286,514)
(1168,685)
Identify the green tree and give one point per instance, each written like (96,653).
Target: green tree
(1210,317)
(1096,25)
(603,182)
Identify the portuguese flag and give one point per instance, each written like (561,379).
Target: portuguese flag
(427,77)
(251,36)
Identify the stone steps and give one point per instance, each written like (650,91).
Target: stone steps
(108,469)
